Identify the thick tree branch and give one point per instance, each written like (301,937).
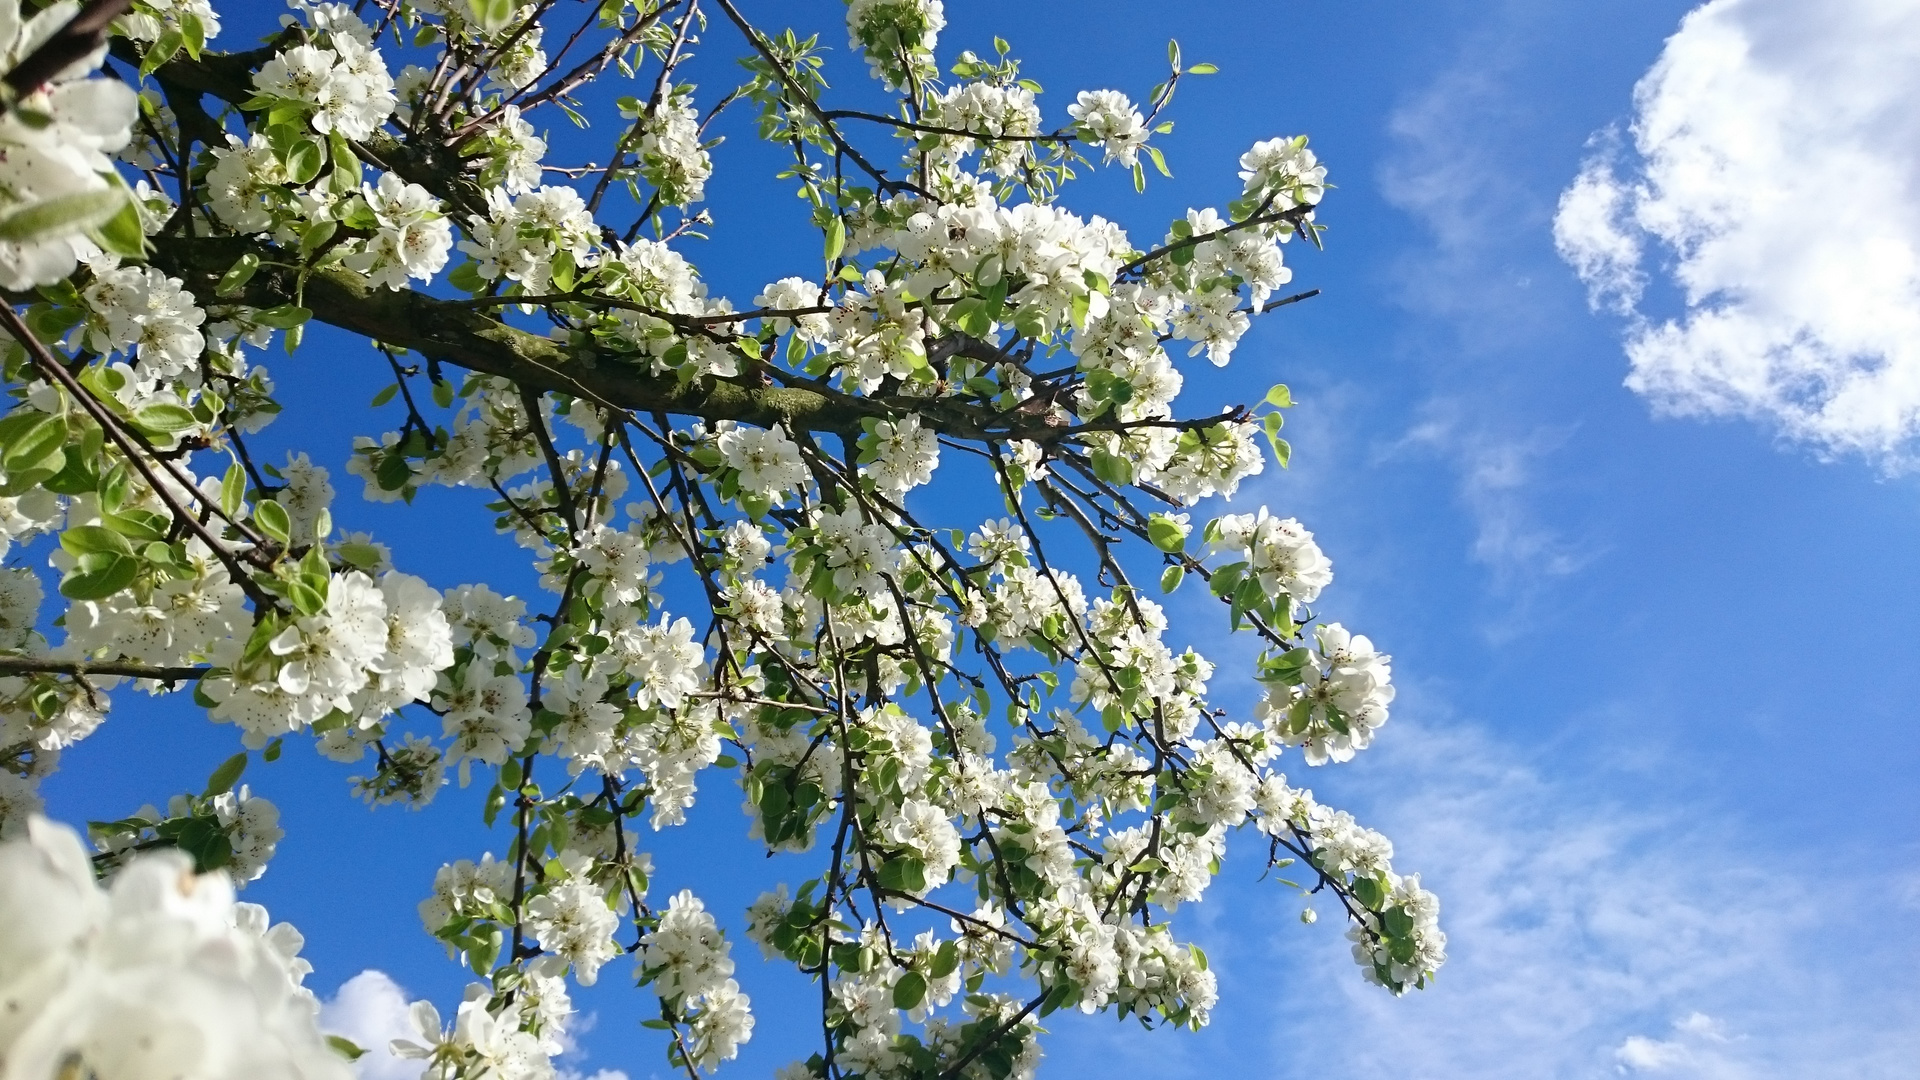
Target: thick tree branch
(455,334)
(30,665)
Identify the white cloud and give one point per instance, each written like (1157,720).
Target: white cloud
(1587,231)
(1642,1054)
(371,1010)
(1694,1042)
(1776,172)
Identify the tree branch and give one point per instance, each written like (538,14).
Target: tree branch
(33,665)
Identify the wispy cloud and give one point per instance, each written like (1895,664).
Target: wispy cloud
(1595,934)
(1495,473)
(1451,169)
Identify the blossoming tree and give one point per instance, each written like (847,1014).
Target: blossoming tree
(999,777)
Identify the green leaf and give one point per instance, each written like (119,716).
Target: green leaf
(904,876)
(284,317)
(1294,658)
(271,518)
(393,472)
(193,34)
(1227,579)
(1171,577)
(970,315)
(466,277)
(31,439)
(1204,69)
(162,418)
(836,238)
(386,394)
(910,991)
(1280,397)
(80,475)
(946,960)
(316,235)
(233,490)
(237,275)
(212,851)
(1159,161)
(62,215)
(272,752)
(364,556)
(94,540)
(1396,922)
(1370,891)
(52,323)
(493,16)
(1282,451)
(143,526)
(1167,535)
(161,51)
(122,233)
(226,775)
(304,161)
(99,576)
(443,393)
(480,957)
(306,599)
(345,1048)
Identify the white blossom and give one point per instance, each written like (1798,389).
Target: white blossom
(161,975)
(53,154)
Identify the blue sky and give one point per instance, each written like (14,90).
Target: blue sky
(1654,745)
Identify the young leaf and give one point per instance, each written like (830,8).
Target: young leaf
(910,991)
(836,238)
(99,576)
(237,275)
(122,233)
(226,775)
(271,518)
(233,490)
(62,215)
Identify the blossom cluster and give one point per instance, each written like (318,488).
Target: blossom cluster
(1333,700)
(757,563)
(1397,940)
